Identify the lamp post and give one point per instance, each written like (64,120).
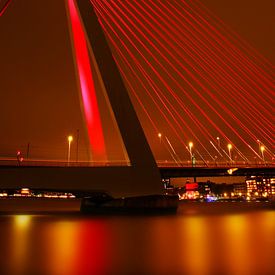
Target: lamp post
(70,139)
(219,143)
(159,136)
(77,144)
(190,150)
(259,144)
(229,146)
(262,151)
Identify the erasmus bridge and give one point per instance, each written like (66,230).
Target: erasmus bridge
(170,85)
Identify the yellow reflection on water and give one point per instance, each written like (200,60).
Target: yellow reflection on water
(237,234)
(61,247)
(76,247)
(21,228)
(194,245)
(22,221)
(181,244)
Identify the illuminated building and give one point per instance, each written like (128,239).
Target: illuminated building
(260,187)
(272,186)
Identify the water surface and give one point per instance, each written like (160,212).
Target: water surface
(186,243)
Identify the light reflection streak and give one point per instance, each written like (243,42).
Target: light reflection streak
(180,244)
(77,248)
(196,245)
(237,244)
(22,224)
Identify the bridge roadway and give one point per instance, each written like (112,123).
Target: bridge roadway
(176,172)
(167,169)
(83,179)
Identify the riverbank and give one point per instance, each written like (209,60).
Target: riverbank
(72,206)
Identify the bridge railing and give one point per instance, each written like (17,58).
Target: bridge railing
(60,163)
(63,163)
(214,164)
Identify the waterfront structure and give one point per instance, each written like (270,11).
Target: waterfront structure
(260,186)
(239,189)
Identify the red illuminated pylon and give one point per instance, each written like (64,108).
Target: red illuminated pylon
(87,87)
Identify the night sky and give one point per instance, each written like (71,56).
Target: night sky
(39,99)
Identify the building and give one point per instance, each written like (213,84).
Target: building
(260,186)
(240,189)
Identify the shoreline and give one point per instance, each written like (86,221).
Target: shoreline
(30,205)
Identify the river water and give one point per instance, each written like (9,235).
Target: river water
(190,242)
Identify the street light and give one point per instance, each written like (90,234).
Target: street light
(259,144)
(229,146)
(70,139)
(219,142)
(159,135)
(190,149)
(262,151)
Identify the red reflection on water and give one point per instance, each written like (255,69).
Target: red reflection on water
(78,248)
(178,244)
(92,254)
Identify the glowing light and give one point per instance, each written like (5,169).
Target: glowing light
(159,135)
(262,151)
(91,110)
(190,150)
(231,171)
(25,191)
(229,146)
(22,221)
(70,138)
